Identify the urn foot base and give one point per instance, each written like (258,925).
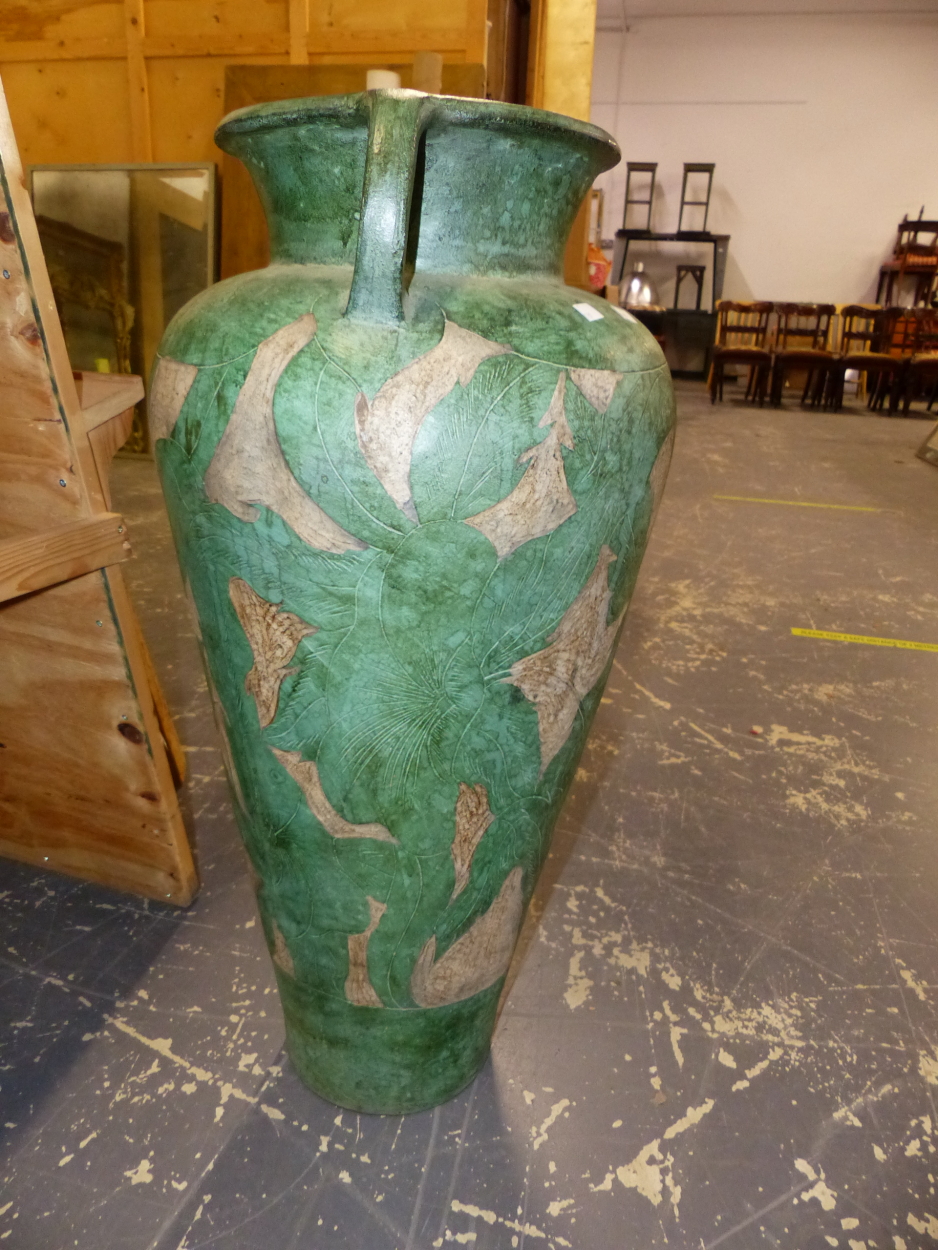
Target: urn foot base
(383,1061)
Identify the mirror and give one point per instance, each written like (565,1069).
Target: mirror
(126,247)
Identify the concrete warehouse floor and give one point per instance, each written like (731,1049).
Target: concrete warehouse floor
(720,1028)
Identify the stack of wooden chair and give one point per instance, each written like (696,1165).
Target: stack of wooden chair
(895,349)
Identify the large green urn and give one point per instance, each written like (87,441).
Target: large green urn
(411,475)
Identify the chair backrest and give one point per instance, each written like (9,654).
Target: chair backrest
(862,329)
(910,244)
(804,326)
(927,338)
(903,330)
(742,323)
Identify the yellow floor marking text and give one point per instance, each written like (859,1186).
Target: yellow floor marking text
(870,642)
(798,503)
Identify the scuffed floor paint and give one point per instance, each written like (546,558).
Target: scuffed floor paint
(719,1029)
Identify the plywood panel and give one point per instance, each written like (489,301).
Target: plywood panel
(61,20)
(373,19)
(213,20)
(187,98)
(70,112)
(80,784)
(71,86)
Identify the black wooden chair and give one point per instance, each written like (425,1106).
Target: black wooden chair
(901,341)
(801,344)
(921,373)
(865,337)
(740,340)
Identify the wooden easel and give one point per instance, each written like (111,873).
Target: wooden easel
(87,747)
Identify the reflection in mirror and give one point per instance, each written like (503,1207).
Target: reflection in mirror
(126,247)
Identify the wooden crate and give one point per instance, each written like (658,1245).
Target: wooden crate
(87,747)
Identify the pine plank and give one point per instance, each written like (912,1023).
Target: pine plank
(59,554)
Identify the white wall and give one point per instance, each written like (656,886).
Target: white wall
(823,127)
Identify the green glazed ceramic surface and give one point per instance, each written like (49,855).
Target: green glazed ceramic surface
(411,476)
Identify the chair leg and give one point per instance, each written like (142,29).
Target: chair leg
(716,380)
(900,390)
(878,393)
(835,391)
(814,386)
(778,380)
(907,393)
(762,383)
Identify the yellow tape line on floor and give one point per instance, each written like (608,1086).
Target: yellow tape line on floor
(798,503)
(871,642)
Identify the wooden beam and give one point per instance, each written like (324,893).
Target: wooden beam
(62,553)
(566,34)
(119,392)
(560,79)
(13,51)
(299,32)
(534,87)
(476,36)
(321,42)
(141,135)
(428,72)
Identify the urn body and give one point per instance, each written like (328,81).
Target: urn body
(410,476)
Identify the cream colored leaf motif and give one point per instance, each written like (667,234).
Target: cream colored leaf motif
(556,679)
(306,775)
(281,952)
(358,987)
(542,499)
(597,386)
(172,381)
(274,636)
(473,817)
(387,426)
(248,469)
(477,959)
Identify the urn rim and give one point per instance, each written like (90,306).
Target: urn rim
(459,111)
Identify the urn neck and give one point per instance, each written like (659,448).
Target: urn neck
(459,186)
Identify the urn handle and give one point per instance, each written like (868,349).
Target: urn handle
(398,120)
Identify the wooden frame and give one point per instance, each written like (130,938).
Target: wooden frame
(87,748)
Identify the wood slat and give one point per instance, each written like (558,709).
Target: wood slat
(14,51)
(59,554)
(105,395)
(231,44)
(299,32)
(140,132)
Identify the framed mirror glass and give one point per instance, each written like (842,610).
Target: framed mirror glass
(126,247)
